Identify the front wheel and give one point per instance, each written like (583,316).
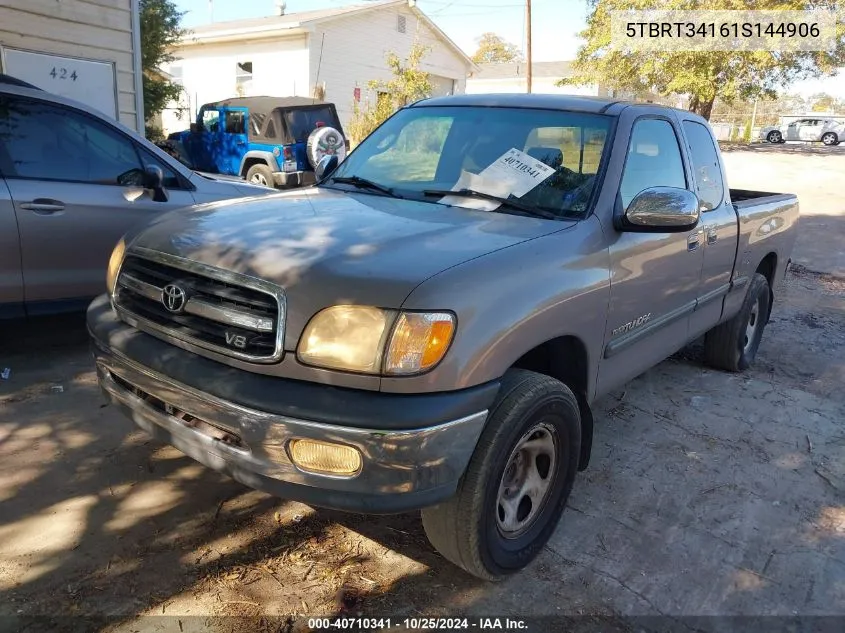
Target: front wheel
(515,488)
(830,139)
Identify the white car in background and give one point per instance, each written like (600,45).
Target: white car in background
(828,131)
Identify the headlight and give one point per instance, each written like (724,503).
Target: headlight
(345,337)
(115,261)
(360,339)
(419,341)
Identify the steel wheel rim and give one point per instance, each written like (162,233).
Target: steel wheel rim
(527,481)
(259,178)
(751,326)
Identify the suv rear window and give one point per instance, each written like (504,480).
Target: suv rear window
(301,122)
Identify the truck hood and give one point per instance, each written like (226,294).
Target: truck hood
(327,247)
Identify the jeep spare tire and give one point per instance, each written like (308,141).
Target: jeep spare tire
(325,141)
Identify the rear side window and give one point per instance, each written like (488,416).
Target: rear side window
(654,159)
(705,162)
(50,142)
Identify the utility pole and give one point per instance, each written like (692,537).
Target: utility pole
(530,72)
(211,10)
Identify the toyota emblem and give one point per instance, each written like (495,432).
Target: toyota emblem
(173,298)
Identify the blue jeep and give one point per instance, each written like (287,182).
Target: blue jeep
(266,140)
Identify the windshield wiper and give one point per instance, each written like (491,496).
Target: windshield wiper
(363,183)
(529,209)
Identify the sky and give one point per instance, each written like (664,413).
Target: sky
(556,24)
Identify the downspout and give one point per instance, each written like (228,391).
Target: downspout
(138,72)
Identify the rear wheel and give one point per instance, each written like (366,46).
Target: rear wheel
(733,344)
(511,498)
(774,137)
(830,138)
(260,175)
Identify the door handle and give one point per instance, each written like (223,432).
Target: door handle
(44,206)
(692,242)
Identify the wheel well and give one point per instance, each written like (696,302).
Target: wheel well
(565,359)
(249,162)
(767,268)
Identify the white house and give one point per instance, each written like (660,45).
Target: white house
(511,77)
(88,50)
(330,53)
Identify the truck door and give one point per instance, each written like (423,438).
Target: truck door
(232,140)
(719,224)
(654,277)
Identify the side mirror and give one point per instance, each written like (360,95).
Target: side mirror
(325,167)
(662,210)
(196,128)
(154,181)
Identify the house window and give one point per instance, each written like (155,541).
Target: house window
(177,75)
(243,77)
(401,24)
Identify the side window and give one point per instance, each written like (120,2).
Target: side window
(705,164)
(270,132)
(51,142)
(654,159)
(211,120)
(235,122)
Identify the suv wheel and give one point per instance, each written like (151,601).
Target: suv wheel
(733,344)
(260,175)
(830,138)
(516,485)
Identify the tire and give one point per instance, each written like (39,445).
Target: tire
(830,139)
(774,137)
(472,529)
(733,344)
(260,174)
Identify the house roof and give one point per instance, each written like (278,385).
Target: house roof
(517,70)
(291,23)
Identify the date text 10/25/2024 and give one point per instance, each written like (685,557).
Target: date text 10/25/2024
(417,624)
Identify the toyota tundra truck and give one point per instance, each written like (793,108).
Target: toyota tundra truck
(427,327)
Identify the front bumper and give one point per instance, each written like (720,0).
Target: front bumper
(402,469)
(294,178)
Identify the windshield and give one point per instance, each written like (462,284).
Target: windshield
(545,158)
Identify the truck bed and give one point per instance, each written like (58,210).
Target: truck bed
(742,198)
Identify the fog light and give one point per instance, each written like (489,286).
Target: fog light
(325,457)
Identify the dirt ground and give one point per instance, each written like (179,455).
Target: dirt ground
(709,493)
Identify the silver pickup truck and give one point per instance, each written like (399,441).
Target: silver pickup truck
(428,326)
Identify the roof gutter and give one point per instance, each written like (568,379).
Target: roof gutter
(240,35)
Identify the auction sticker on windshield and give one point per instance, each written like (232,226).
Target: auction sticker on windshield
(514,173)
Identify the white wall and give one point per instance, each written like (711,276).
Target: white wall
(355,47)
(279,69)
(539,85)
(94,29)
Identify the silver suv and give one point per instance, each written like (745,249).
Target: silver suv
(72,182)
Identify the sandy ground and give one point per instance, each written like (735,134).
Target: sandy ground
(708,493)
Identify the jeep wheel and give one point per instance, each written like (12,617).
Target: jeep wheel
(510,499)
(733,344)
(260,174)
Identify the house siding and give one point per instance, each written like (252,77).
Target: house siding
(98,30)
(355,47)
(279,69)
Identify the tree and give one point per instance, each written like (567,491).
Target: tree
(408,84)
(160,32)
(823,102)
(494,48)
(702,75)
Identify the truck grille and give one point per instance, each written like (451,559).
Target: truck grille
(221,311)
